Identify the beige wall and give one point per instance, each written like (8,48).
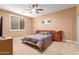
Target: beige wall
(77,8)
(6,30)
(64,20)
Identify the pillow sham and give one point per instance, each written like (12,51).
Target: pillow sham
(45,33)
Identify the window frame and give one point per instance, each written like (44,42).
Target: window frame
(18,23)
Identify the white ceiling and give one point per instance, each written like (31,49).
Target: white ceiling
(48,8)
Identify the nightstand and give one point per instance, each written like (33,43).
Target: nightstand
(58,36)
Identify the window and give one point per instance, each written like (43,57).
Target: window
(17,23)
(22,23)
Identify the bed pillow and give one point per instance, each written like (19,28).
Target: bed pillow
(42,33)
(45,33)
(48,33)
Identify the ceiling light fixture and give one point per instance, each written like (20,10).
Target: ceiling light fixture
(33,9)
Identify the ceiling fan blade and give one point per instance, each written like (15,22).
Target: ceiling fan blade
(39,9)
(37,12)
(36,5)
(33,5)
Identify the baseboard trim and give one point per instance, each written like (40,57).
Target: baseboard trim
(71,41)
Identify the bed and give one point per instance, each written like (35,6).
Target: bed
(40,39)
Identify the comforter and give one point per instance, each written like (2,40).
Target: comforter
(38,39)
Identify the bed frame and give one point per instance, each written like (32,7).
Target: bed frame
(44,45)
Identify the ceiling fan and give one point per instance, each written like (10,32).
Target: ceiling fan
(34,8)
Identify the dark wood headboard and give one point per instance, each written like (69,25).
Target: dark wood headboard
(52,31)
(56,35)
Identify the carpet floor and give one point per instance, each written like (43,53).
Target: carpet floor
(55,48)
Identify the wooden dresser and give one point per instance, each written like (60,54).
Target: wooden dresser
(58,36)
(6,46)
